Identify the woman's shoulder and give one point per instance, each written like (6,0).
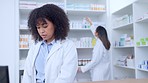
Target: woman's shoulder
(99,43)
(67,42)
(34,44)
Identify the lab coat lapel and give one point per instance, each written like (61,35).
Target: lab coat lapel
(36,50)
(54,48)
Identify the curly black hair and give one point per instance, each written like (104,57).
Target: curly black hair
(54,14)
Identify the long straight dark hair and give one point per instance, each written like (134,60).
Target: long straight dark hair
(102,35)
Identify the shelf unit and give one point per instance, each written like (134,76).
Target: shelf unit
(77,15)
(76,11)
(136,26)
(141,23)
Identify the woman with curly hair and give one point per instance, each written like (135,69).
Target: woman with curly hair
(52,58)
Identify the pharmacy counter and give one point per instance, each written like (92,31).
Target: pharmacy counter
(122,81)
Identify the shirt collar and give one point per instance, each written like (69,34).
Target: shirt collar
(51,43)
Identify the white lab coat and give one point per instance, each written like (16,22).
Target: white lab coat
(99,66)
(61,63)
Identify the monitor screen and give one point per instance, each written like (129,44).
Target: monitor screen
(4,74)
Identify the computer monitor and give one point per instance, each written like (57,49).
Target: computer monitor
(4,74)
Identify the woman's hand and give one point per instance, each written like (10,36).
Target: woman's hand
(89,20)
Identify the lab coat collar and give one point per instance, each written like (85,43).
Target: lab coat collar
(57,45)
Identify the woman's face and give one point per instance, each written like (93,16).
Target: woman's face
(96,34)
(46,30)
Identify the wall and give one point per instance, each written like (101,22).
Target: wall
(8,37)
(118,4)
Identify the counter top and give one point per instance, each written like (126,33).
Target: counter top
(122,81)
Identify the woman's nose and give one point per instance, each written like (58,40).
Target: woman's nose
(42,30)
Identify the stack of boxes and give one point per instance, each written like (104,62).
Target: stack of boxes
(123,20)
(142,42)
(143,65)
(84,42)
(77,6)
(125,40)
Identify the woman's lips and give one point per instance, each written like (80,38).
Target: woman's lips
(43,36)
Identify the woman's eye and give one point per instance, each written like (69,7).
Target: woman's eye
(45,25)
(38,27)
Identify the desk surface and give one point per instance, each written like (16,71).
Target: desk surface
(122,81)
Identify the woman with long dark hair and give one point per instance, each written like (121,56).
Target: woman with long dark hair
(99,65)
